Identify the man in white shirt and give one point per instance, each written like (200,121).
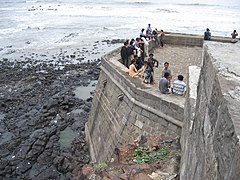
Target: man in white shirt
(179,87)
(146,44)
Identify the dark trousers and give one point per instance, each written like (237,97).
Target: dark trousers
(125,62)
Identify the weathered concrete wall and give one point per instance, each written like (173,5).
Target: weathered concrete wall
(190,39)
(124,108)
(210,136)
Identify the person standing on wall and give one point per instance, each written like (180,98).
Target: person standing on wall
(152,62)
(166,69)
(161,37)
(149,31)
(146,44)
(124,55)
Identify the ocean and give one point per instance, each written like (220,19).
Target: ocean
(52,24)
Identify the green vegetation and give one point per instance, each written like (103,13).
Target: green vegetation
(143,155)
(101,167)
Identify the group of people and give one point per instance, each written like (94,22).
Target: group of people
(177,87)
(134,53)
(158,37)
(207,34)
(144,71)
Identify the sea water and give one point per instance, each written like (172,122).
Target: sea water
(48,24)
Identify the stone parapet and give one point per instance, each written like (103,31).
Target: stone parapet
(210,136)
(190,39)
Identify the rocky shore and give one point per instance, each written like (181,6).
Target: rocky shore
(43,111)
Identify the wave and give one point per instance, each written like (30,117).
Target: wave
(142,2)
(68,37)
(31,1)
(197,4)
(166,11)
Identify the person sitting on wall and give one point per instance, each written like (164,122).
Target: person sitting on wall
(132,69)
(164,83)
(124,55)
(207,34)
(179,87)
(166,69)
(234,34)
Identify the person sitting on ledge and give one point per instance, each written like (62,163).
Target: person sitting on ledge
(164,83)
(179,87)
(207,34)
(142,69)
(132,69)
(234,34)
(148,74)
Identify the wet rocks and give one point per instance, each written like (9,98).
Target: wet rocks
(36,105)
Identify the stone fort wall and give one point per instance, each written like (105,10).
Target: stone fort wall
(210,135)
(123,108)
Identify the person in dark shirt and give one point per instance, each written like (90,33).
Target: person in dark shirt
(131,51)
(124,55)
(164,83)
(152,62)
(234,34)
(207,34)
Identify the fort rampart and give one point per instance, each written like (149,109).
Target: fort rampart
(124,108)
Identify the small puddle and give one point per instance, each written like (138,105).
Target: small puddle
(66,137)
(83,92)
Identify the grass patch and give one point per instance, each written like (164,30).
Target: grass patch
(101,167)
(143,155)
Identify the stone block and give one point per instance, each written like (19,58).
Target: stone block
(139,124)
(147,128)
(137,109)
(154,118)
(145,113)
(163,122)
(172,127)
